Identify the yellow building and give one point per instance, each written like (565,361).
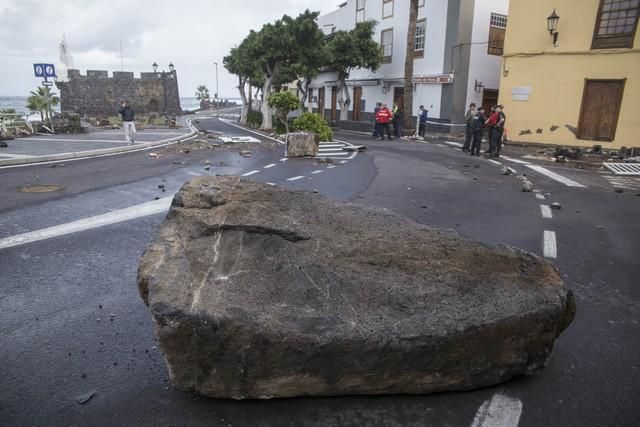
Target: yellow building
(582,90)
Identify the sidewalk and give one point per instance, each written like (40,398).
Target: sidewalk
(44,148)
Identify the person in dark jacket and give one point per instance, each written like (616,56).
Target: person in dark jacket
(471,112)
(398,117)
(498,131)
(128,122)
(424,115)
(376,125)
(477,127)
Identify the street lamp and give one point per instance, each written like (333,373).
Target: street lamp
(216,94)
(552,26)
(155,67)
(171,67)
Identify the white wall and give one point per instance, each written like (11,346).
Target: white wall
(484,67)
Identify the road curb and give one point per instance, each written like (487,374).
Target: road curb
(100,152)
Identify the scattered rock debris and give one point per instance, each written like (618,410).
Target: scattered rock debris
(556,205)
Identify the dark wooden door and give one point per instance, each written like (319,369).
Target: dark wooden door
(489,99)
(601,101)
(321,101)
(334,102)
(357,102)
(398,96)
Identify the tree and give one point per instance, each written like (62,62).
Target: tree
(283,103)
(241,63)
(349,50)
(42,99)
(202,93)
(408,66)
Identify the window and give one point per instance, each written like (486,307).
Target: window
(360,10)
(601,102)
(420,3)
(386,42)
(421,30)
(387,9)
(497,28)
(616,24)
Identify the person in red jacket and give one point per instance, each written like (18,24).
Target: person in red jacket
(383,117)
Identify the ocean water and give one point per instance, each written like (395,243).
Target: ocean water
(19,102)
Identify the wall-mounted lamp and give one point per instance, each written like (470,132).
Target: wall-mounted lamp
(385,88)
(171,66)
(155,67)
(479,86)
(552,26)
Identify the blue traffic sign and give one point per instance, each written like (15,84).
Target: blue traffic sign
(44,70)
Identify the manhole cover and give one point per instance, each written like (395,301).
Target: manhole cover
(40,188)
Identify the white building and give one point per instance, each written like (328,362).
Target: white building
(458,57)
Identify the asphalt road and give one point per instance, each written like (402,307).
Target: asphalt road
(72,320)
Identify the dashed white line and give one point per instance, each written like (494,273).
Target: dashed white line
(253,172)
(500,411)
(550,249)
(315,172)
(284,159)
(120,215)
(511,159)
(270,165)
(495,162)
(455,144)
(295,178)
(342,162)
(331,167)
(540,196)
(545,210)
(333,154)
(561,179)
(271,184)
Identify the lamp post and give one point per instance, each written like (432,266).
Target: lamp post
(552,26)
(216,94)
(155,67)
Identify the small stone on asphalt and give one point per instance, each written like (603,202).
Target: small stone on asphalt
(84,398)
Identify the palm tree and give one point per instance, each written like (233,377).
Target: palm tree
(202,93)
(44,99)
(408,65)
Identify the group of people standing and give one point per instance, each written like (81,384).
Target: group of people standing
(384,118)
(476,123)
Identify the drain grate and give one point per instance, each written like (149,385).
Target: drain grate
(623,168)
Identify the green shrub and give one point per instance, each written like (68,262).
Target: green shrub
(254,119)
(313,122)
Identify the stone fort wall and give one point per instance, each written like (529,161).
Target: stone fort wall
(97,94)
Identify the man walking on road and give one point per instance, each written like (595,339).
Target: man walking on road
(383,117)
(471,113)
(424,115)
(477,125)
(128,124)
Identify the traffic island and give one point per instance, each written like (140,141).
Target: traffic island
(259,292)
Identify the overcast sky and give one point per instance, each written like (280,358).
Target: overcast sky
(193,34)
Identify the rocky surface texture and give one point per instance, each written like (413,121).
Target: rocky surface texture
(260,292)
(302,144)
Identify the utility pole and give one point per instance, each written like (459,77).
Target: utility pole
(216,94)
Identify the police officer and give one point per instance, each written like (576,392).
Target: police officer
(477,127)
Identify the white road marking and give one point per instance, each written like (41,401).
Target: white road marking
(315,172)
(15,156)
(251,131)
(324,154)
(550,249)
(511,159)
(115,141)
(120,215)
(270,165)
(540,196)
(495,162)
(500,411)
(331,167)
(284,159)
(295,178)
(324,150)
(545,210)
(323,145)
(455,144)
(342,162)
(270,183)
(561,179)
(253,172)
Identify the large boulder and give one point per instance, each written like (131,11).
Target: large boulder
(302,144)
(260,292)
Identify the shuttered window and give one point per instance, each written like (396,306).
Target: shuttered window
(360,4)
(421,31)
(601,102)
(387,9)
(386,42)
(616,24)
(497,29)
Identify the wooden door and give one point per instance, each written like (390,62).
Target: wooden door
(334,102)
(321,101)
(489,99)
(398,96)
(601,101)
(357,102)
